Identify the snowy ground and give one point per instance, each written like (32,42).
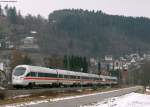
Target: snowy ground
(128,100)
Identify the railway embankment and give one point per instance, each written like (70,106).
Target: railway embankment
(20,96)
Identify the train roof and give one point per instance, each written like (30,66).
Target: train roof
(107,77)
(38,69)
(66,72)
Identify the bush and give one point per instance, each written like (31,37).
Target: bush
(2,95)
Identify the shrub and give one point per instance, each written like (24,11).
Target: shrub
(2,95)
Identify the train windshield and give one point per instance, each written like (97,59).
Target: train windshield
(19,71)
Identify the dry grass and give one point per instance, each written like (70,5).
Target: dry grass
(51,95)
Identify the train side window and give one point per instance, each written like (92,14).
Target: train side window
(47,75)
(61,76)
(33,74)
(87,78)
(78,77)
(95,78)
(66,76)
(84,77)
(69,76)
(40,74)
(29,74)
(72,77)
(53,75)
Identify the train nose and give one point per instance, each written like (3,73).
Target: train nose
(16,80)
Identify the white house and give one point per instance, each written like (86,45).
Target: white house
(29,43)
(108,58)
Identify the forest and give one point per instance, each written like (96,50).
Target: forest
(78,32)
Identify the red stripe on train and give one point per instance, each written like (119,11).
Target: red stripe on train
(46,78)
(40,78)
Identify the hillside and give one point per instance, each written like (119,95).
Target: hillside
(80,32)
(96,33)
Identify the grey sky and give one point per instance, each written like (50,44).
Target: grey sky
(117,7)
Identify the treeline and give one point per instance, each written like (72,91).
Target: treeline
(79,32)
(141,76)
(10,12)
(15,27)
(20,58)
(76,63)
(97,33)
(73,63)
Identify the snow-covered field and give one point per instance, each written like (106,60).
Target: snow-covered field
(128,100)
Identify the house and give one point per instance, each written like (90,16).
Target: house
(146,56)
(6,44)
(108,58)
(93,63)
(29,43)
(117,65)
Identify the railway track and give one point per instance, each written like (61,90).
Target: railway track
(16,92)
(66,92)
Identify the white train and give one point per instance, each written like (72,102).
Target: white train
(26,75)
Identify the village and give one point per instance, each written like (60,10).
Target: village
(108,65)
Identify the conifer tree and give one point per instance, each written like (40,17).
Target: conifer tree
(27,60)
(1,11)
(12,15)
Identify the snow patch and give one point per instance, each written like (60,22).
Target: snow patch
(147,90)
(2,88)
(21,96)
(58,99)
(27,104)
(128,100)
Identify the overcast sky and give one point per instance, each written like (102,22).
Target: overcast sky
(117,7)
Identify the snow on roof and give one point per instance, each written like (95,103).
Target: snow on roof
(29,37)
(133,60)
(33,32)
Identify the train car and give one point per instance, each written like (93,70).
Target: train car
(113,80)
(108,80)
(67,77)
(95,79)
(26,75)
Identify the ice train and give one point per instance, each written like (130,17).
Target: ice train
(27,75)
